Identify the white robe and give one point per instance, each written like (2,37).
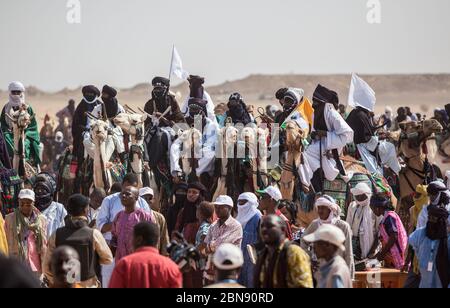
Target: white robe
(387,152)
(338,136)
(209,106)
(208,146)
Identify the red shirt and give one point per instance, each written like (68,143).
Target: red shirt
(146,268)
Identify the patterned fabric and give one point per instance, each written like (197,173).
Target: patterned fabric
(229,232)
(299,268)
(122,230)
(396,257)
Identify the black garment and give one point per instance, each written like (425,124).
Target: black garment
(80,237)
(161,104)
(4,155)
(79,127)
(111,105)
(361,123)
(196,86)
(109,90)
(326,95)
(319,118)
(239,114)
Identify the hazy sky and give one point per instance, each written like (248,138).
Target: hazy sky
(126,42)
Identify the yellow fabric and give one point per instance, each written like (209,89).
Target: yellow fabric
(419,203)
(306,111)
(3,241)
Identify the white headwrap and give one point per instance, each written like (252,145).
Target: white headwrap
(16,100)
(362,189)
(330,203)
(248,210)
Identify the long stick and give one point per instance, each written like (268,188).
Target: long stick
(171,62)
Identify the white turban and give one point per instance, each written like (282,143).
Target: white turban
(16,86)
(330,203)
(249,209)
(361,189)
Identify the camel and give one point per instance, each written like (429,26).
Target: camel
(414,143)
(191,140)
(133,125)
(47,135)
(20,120)
(227,147)
(100,148)
(256,145)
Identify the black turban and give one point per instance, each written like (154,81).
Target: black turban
(435,188)
(325,95)
(110,91)
(90,90)
(199,186)
(281,93)
(160,82)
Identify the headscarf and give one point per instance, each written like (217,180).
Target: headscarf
(419,203)
(248,210)
(439,194)
(16,100)
(330,203)
(365,220)
(438,231)
(190,208)
(48,183)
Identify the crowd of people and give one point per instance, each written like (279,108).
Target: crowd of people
(121,236)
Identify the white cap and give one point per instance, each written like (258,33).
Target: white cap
(361,189)
(27,194)
(273,192)
(327,233)
(146,191)
(228,257)
(224,200)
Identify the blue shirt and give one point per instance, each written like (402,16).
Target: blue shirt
(112,205)
(426,251)
(55,215)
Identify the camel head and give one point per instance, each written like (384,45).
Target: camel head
(99,130)
(431,126)
(294,133)
(21,118)
(130,122)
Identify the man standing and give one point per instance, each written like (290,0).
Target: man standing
(334,272)
(32,139)
(112,205)
(146,268)
(228,261)
(89,243)
(125,220)
(225,230)
(432,247)
(26,232)
(281,264)
(147,194)
(45,189)
(270,199)
(362,221)
(330,135)
(95,201)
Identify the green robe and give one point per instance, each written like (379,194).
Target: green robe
(32,138)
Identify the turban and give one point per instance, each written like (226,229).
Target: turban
(295,95)
(330,203)
(326,95)
(197,185)
(90,90)
(361,189)
(109,90)
(160,82)
(280,93)
(16,86)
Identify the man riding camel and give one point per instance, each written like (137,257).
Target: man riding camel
(197,91)
(32,139)
(329,136)
(375,153)
(237,110)
(210,130)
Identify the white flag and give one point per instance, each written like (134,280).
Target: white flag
(361,94)
(176,67)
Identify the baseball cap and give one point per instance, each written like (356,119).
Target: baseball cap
(228,257)
(27,194)
(327,233)
(146,191)
(224,200)
(273,192)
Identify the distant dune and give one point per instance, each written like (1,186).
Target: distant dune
(422,92)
